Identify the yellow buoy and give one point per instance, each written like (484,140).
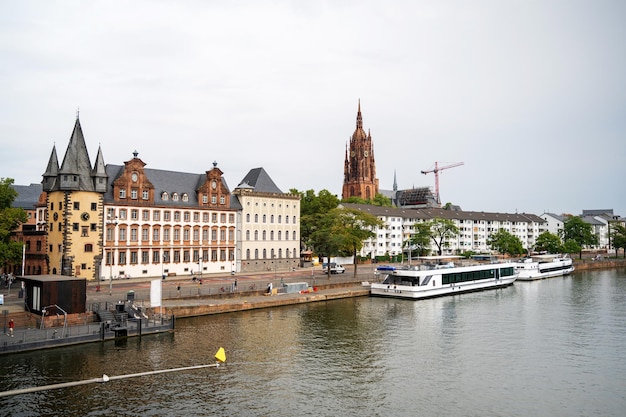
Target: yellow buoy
(221,355)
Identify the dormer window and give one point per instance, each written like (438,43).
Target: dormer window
(165,196)
(122,192)
(185,197)
(175,197)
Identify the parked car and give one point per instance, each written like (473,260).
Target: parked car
(335,268)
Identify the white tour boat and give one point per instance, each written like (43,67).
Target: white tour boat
(434,278)
(544,266)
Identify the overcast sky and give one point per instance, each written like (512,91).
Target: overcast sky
(529,95)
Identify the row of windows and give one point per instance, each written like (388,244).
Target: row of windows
(75,205)
(264,235)
(272,254)
(133,214)
(133,194)
(476,275)
(175,233)
(271,217)
(169,256)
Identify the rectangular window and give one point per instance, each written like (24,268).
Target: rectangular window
(223,218)
(122,234)
(134,214)
(196,216)
(214,200)
(222,199)
(94,206)
(93,227)
(186,216)
(186,234)
(133,234)
(231,235)
(205,217)
(186,256)
(133,257)
(222,254)
(144,194)
(122,193)
(76,205)
(145,256)
(156,258)
(205,235)
(214,217)
(176,234)
(145,215)
(176,256)
(214,255)
(166,235)
(177,216)
(214,235)
(155,235)
(156,215)
(231,218)
(196,234)
(133,194)
(166,216)
(74,227)
(122,214)
(84,231)
(222,235)
(122,258)
(145,233)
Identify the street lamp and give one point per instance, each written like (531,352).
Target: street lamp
(111,221)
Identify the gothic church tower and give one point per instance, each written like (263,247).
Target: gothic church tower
(74,198)
(359,175)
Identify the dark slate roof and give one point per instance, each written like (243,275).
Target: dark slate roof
(169,181)
(76,160)
(27,196)
(431,213)
(260,181)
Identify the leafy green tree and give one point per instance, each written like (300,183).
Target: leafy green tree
(571,246)
(420,239)
(312,209)
(504,242)
(618,238)
(10,219)
(548,242)
(439,231)
(574,228)
(354,226)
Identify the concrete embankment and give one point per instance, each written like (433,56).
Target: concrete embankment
(589,264)
(192,307)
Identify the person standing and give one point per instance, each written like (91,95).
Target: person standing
(11,326)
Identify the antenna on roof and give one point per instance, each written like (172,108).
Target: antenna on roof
(77,112)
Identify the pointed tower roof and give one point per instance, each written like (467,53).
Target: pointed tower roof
(76,161)
(99,167)
(359,133)
(260,181)
(52,170)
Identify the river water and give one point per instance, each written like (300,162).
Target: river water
(548,348)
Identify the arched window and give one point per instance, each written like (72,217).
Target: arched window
(247,253)
(248,217)
(272,235)
(185,197)
(256,218)
(175,197)
(264,218)
(264,235)
(247,235)
(256,235)
(165,196)
(272,218)
(264,253)
(256,254)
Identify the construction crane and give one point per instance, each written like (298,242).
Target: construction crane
(436,172)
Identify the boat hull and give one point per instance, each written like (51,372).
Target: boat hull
(416,293)
(532,271)
(441,280)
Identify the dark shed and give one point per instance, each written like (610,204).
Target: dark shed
(46,291)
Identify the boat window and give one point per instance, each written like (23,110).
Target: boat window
(426,279)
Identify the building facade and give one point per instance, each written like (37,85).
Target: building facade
(474,229)
(269,225)
(359,178)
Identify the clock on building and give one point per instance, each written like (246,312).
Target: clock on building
(134,177)
(214,184)
(365,153)
(85,216)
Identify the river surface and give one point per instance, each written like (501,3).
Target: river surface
(548,348)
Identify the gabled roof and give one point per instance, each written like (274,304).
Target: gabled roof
(166,181)
(259,181)
(27,196)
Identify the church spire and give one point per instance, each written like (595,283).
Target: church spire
(76,167)
(52,170)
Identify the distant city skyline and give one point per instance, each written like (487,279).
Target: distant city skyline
(529,97)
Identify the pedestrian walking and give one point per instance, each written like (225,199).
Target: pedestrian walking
(11,326)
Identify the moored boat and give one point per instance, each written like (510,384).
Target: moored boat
(544,266)
(435,279)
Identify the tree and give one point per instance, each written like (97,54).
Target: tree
(312,209)
(548,242)
(354,227)
(420,240)
(10,219)
(505,243)
(574,228)
(618,238)
(437,230)
(379,200)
